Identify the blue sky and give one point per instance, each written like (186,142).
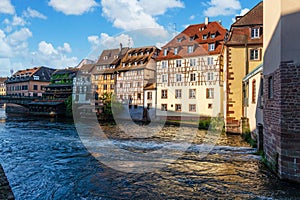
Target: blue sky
(59,33)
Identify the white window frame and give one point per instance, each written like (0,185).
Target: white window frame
(164,64)
(210,60)
(190,48)
(178,94)
(255,33)
(211,46)
(164,78)
(192,62)
(192,93)
(210,76)
(193,77)
(254,54)
(178,78)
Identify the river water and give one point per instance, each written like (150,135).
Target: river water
(46,159)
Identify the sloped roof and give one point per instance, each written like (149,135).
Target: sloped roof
(138,58)
(240,31)
(87,67)
(2,79)
(253,17)
(198,35)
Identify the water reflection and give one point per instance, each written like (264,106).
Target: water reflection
(45,159)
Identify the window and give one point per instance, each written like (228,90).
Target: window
(190,49)
(179,39)
(178,107)
(192,93)
(165,52)
(210,106)
(209,93)
(175,51)
(204,37)
(164,94)
(178,94)
(164,107)
(121,85)
(178,63)
(192,62)
(255,33)
(138,84)
(254,54)
(253,91)
(178,77)
(164,78)
(105,57)
(139,96)
(149,95)
(271,87)
(112,86)
(104,77)
(192,77)
(210,61)
(164,64)
(211,47)
(213,35)
(139,72)
(210,76)
(35,87)
(192,107)
(104,87)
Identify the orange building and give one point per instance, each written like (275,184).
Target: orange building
(29,82)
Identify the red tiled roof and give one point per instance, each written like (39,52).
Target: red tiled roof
(240,32)
(253,17)
(194,35)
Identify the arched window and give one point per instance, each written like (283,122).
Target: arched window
(254,91)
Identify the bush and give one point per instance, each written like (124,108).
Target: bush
(204,124)
(247,137)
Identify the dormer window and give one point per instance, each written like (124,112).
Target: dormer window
(179,39)
(204,37)
(213,35)
(190,49)
(123,64)
(255,33)
(105,57)
(175,51)
(211,47)
(192,38)
(165,52)
(116,56)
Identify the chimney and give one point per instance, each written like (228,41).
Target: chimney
(206,20)
(238,18)
(220,22)
(121,47)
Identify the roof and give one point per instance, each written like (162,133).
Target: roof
(240,31)
(34,74)
(83,62)
(254,16)
(258,69)
(87,67)
(150,86)
(108,58)
(2,79)
(199,36)
(138,58)
(65,71)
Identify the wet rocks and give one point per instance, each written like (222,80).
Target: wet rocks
(5,190)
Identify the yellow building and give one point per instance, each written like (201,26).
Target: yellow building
(104,71)
(2,86)
(243,54)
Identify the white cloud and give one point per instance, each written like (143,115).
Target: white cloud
(242,13)
(136,15)
(6,7)
(104,41)
(5,49)
(73,7)
(31,13)
(18,21)
(152,8)
(192,17)
(17,37)
(222,8)
(50,56)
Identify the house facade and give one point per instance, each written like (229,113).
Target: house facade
(135,71)
(253,99)
(281,87)
(2,86)
(61,84)
(190,72)
(82,85)
(243,54)
(103,74)
(29,82)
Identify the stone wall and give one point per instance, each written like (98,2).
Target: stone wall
(5,190)
(282,121)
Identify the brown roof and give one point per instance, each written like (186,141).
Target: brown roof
(195,35)
(87,67)
(150,86)
(138,58)
(253,17)
(240,32)
(2,80)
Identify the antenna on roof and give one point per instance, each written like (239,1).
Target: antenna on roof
(129,42)
(11,71)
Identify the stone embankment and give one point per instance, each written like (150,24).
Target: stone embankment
(5,190)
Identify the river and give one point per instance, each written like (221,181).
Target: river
(46,159)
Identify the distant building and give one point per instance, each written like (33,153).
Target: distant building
(2,86)
(104,70)
(135,71)
(29,82)
(253,100)
(190,72)
(82,85)
(61,84)
(84,62)
(243,54)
